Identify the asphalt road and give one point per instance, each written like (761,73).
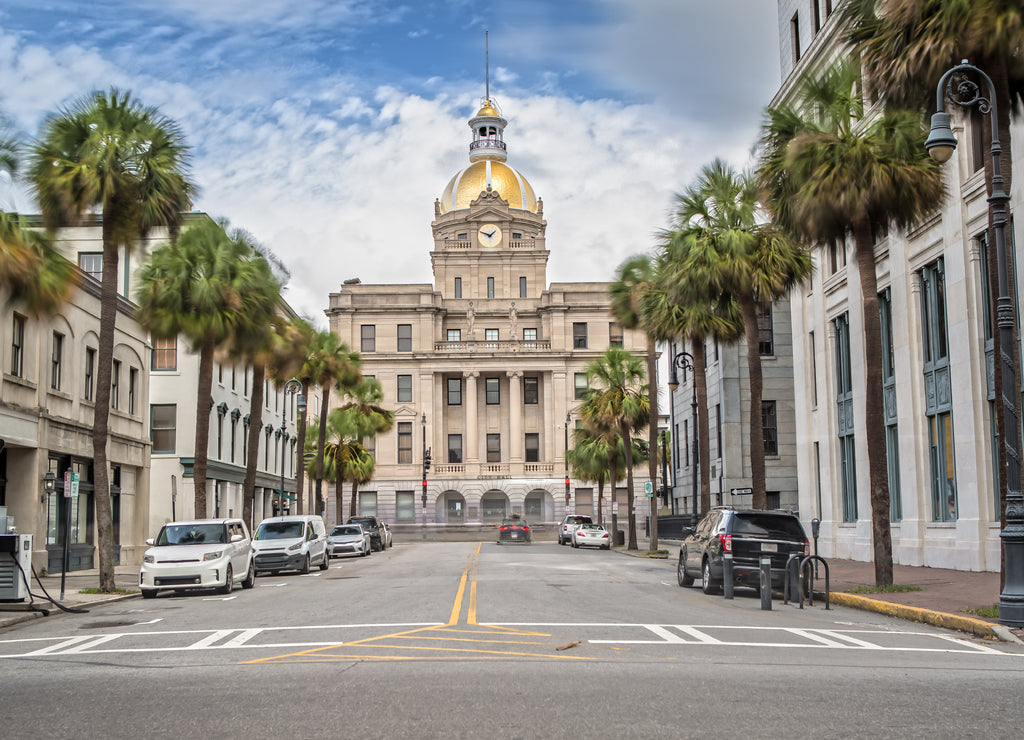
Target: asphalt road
(470,640)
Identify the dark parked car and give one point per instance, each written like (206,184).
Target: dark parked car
(514,530)
(747,534)
(372,525)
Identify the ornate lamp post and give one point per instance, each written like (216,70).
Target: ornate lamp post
(568,495)
(940,144)
(684,361)
(293,386)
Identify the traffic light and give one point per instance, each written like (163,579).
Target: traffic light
(567,495)
(426,462)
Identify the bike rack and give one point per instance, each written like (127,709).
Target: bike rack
(803,566)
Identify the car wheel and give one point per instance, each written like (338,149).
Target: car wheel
(250,577)
(229,581)
(326,562)
(709,587)
(305,565)
(149,593)
(606,547)
(681,575)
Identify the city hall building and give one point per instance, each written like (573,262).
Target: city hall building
(486,366)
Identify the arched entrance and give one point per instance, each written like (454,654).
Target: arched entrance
(451,508)
(539,506)
(493,507)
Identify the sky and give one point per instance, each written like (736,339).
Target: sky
(327,128)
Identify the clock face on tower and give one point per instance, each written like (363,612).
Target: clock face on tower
(489,235)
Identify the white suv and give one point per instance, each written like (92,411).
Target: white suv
(568,526)
(204,553)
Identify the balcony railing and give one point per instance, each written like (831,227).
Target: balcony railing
(501,345)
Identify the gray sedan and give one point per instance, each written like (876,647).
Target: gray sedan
(348,539)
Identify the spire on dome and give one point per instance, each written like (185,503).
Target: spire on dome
(488,125)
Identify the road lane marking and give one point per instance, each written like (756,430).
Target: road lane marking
(208,641)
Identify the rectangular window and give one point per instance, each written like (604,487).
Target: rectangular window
(814,370)
(844,412)
(770,425)
(404,442)
(942,467)
(90,371)
(686,442)
(892,450)
(765,332)
(115,383)
(531,390)
(836,256)
(367,503)
(458,287)
(493,387)
(234,434)
(405,389)
(532,447)
(614,334)
(18,346)
(455,335)
(490,287)
(233,367)
(405,506)
(718,428)
(817,15)
(368,338)
(454,391)
(455,448)
(162,424)
(579,335)
(133,385)
(405,337)
(529,335)
(493,448)
(245,382)
(165,354)
(522,287)
(794,32)
(220,373)
(933,313)
(580,385)
(56,360)
(220,437)
(91,263)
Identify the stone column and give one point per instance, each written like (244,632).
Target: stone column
(515,415)
(471,442)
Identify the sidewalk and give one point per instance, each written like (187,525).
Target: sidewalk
(126,578)
(944,597)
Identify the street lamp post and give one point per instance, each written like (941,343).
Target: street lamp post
(426,463)
(291,387)
(940,144)
(568,419)
(684,361)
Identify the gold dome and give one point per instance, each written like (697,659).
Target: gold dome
(466,186)
(488,109)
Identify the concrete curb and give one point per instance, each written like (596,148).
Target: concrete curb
(977,627)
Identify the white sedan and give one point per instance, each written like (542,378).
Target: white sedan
(348,539)
(591,535)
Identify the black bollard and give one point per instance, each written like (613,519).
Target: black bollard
(727,575)
(766,583)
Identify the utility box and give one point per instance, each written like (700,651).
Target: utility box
(15,566)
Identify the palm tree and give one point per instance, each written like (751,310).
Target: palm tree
(752,262)
(34,274)
(618,399)
(829,173)
(331,364)
(291,356)
(207,287)
(590,458)
(632,279)
(365,417)
(906,47)
(110,153)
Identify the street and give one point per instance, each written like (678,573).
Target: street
(465,639)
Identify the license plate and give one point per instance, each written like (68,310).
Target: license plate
(769,547)
(515,536)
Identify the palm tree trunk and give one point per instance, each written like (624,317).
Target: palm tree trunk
(252,452)
(355,493)
(339,495)
(756,430)
(700,379)
(325,394)
(652,435)
(204,405)
(615,517)
(101,412)
(874,412)
(629,486)
(600,500)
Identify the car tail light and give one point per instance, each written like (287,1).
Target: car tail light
(503,528)
(526,529)
(604,536)
(726,540)
(807,548)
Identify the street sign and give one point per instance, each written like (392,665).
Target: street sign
(71,484)
(741,491)
(648,487)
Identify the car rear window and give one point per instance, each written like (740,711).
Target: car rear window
(775,527)
(580,520)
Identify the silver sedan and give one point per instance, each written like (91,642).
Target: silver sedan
(348,539)
(591,535)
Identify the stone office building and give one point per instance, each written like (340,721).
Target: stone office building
(486,366)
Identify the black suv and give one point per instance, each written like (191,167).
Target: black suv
(373,528)
(747,534)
